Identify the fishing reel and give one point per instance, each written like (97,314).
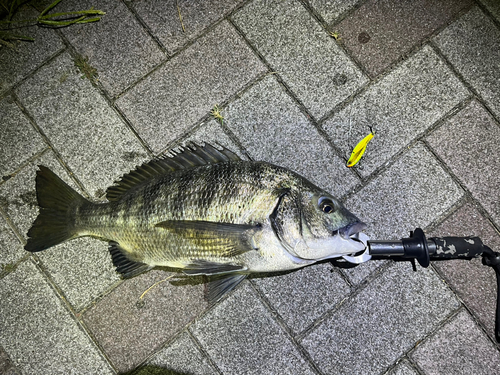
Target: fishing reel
(423,250)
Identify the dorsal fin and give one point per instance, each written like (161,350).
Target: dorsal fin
(189,157)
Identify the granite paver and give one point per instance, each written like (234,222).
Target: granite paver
(493,6)
(399,107)
(36,328)
(331,11)
(475,57)
(16,63)
(171,100)
(89,135)
(474,282)
(379,32)
(460,348)
(242,337)
(19,141)
(301,52)
(403,368)
(11,249)
(129,328)
(468,144)
(182,356)
(272,128)
(117,46)
(374,328)
(303,296)
(164,18)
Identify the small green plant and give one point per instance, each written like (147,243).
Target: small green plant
(217,114)
(9,8)
(88,70)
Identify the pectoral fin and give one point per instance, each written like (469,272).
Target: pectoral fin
(220,239)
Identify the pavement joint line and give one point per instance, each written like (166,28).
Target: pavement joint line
(346,14)
(281,323)
(464,81)
(58,156)
(396,363)
(202,350)
(487,12)
(467,192)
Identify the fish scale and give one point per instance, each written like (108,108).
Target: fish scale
(203,211)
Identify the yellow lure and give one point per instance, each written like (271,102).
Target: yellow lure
(359,150)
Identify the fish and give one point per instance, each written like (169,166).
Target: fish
(359,150)
(202,211)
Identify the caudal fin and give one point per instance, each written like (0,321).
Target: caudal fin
(55,200)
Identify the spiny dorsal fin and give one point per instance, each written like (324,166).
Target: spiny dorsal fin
(189,157)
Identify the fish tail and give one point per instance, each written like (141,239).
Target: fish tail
(57,202)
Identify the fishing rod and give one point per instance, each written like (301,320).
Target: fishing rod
(423,250)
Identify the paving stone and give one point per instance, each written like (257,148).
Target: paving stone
(359,273)
(271,128)
(399,107)
(331,11)
(162,17)
(403,368)
(412,193)
(17,63)
(301,52)
(20,141)
(493,6)
(473,282)
(468,144)
(182,356)
(241,337)
(302,296)
(18,194)
(475,57)
(374,328)
(168,102)
(117,46)
(81,268)
(89,135)
(37,331)
(379,33)
(11,249)
(129,329)
(459,348)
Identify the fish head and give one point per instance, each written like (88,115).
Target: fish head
(328,229)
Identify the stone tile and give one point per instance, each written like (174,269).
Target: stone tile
(399,107)
(20,141)
(182,356)
(11,249)
(129,329)
(37,331)
(18,194)
(493,6)
(88,134)
(468,144)
(17,63)
(379,33)
(459,348)
(81,268)
(173,98)
(162,17)
(241,337)
(403,368)
(302,296)
(331,11)
(473,282)
(359,273)
(117,46)
(412,193)
(301,52)
(272,128)
(374,328)
(475,57)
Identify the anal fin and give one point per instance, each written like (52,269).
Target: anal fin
(218,288)
(126,267)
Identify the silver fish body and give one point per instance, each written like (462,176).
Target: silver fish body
(204,211)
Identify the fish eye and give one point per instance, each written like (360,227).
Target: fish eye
(326,205)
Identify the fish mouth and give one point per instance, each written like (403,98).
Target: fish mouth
(351,231)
